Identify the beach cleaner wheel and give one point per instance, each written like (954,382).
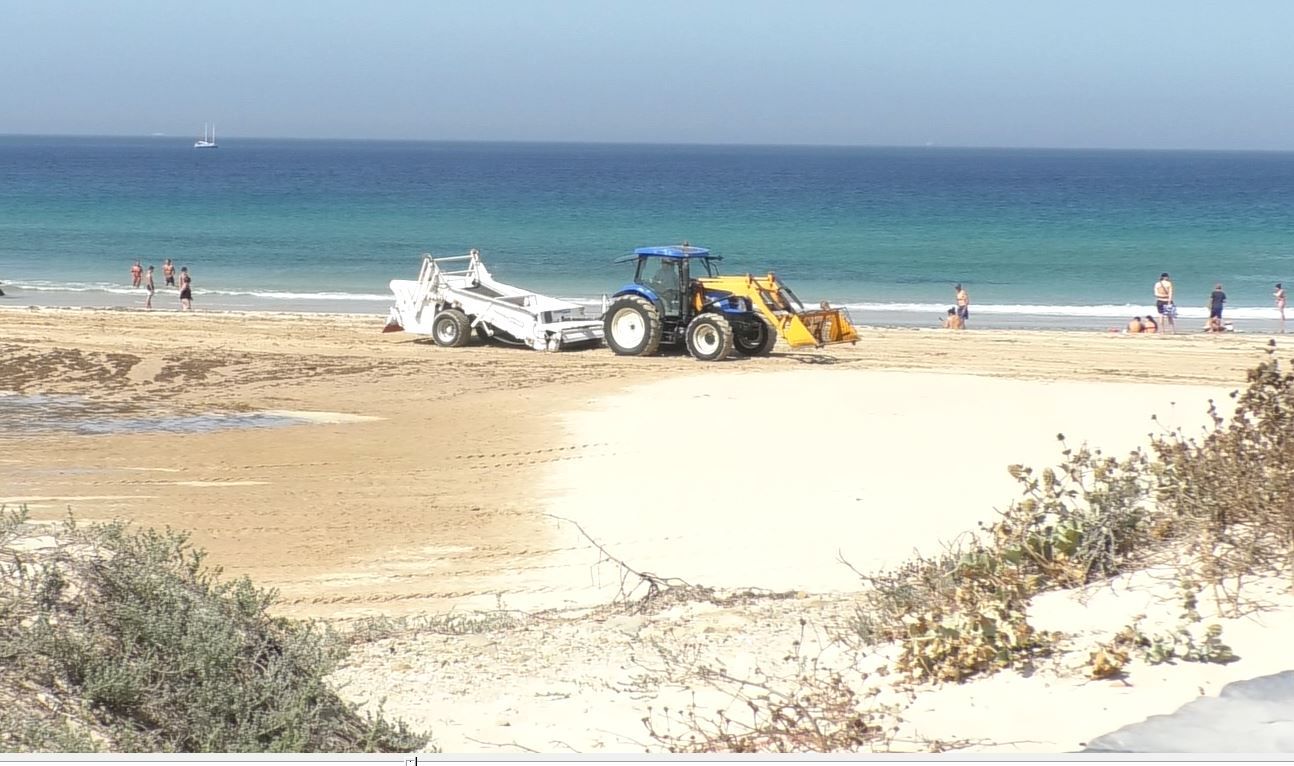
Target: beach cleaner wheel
(451,328)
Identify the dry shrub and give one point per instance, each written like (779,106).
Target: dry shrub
(798,708)
(1229,494)
(1084,520)
(1190,641)
(965,611)
(1225,497)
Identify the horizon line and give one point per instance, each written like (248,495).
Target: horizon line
(607,142)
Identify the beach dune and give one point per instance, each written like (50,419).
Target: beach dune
(429,480)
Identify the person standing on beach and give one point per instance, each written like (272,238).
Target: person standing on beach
(1216,299)
(1279,295)
(136,274)
(168,273)
(186,289)
(1164,303)
(963,304)
(148,285)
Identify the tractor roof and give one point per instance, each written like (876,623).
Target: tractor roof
(672,251)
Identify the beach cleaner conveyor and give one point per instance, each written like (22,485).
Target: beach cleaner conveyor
(456,296)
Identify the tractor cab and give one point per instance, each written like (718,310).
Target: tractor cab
(668,274)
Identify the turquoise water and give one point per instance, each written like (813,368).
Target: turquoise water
(1039,237)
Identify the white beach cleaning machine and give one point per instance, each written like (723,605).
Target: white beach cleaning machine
(454,296)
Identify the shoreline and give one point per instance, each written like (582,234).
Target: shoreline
(1186,326)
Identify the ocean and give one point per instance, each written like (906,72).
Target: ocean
(1040,238)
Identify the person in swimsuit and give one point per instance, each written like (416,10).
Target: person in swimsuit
(168,273)
(1148,324)
(1279,295)
(148,285)
(186,289)
(1135,326)
(963,305)
(136,274)
(1164,303)
(954,321)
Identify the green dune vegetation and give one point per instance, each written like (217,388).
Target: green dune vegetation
(119,640)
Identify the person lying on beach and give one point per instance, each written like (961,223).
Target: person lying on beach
(1134,326)
(954,321)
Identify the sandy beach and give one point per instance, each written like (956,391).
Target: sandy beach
(403,479)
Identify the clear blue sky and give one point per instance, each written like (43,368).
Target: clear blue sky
(1069,73)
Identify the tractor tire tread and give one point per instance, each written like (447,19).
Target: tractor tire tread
(724,327)
(655,328)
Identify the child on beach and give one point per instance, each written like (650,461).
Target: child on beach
(148,285)
(186,289)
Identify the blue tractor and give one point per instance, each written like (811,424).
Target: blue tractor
(670,303)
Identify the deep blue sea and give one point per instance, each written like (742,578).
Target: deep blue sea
(1039,237)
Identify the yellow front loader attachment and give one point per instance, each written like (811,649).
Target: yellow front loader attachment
(798,326)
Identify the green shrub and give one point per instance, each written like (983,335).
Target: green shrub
(164,655)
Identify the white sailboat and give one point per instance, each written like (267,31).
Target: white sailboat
(206,142)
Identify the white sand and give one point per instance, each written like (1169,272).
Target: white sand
(788,468)
(760,479)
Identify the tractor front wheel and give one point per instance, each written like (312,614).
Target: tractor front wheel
(632,327)
(754,338)
(709,337)
(451,328)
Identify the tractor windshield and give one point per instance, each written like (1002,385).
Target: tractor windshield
(705,264)
(663,276)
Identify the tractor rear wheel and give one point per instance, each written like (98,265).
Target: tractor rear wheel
(755,338)
(632,327)
(451,328)
(709,337)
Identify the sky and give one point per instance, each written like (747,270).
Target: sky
(1157,74)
